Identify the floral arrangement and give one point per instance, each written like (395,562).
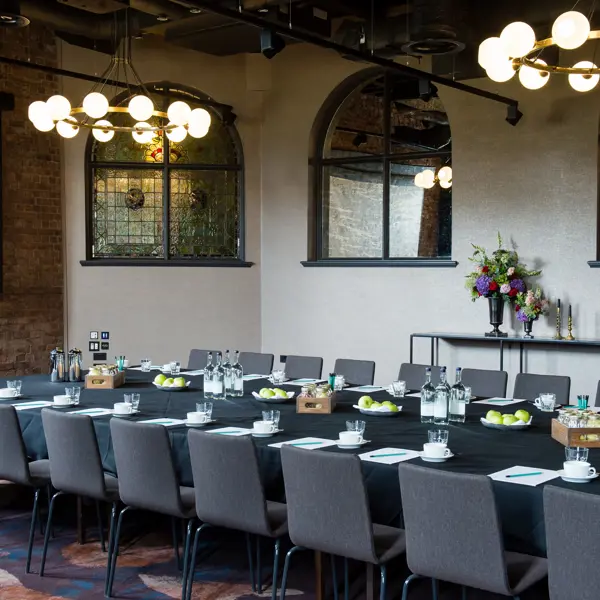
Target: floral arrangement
(499,275)
(531,305)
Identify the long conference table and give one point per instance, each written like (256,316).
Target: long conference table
(477,449)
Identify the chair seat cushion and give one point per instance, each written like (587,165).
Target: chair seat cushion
(40,472)
(524,570)
(389,542)
(277,517)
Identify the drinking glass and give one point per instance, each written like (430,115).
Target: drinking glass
(358,426)
(278,376)
(398,389)
(576,453)
(133,400)
(146,363)
(467,394)
(175,367)
(15,385)
(73,393)
(582,400)
(438,436)
(205,408)
(339,383)
(272,416)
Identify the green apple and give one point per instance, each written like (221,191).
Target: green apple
(279,392)
(392,407)
(376,405)
(168,382)
(509,419)
(492,413)
(365,401)
(160,379)
(522,415)
(179,382)
(495,419)
(266,393)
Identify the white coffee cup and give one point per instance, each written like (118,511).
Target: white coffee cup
(197,417)
(435,450)
(545,402)
(350,437)
(7,392)
(264,427)
(122,408)
(125,363)
(62,400)
(578,469)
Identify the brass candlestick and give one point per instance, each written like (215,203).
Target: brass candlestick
(570,337)
(558,335)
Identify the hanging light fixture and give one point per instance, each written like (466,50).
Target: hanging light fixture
(95,110)
(516,49)
(428,178)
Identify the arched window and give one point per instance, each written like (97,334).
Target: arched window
(376,131)
(166,203)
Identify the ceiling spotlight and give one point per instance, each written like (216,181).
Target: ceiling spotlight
(513,114)
(270,43)
(360,139)
(263,10)
(196,11)
(162,18)
(10,14)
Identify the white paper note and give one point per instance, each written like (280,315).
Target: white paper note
(524,476)
(365,389)
(308,443)
(389,456)
(413,395)
(165,422)
(500,401)
(304,381)
(252,377)
(193,373)
(37,404)
(92,412)
(234,431)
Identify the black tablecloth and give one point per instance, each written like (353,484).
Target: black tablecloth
(476,448)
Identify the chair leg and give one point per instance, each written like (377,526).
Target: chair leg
(186,557)
(383,585)
(111,541)
(192,563)
(100,526)
(464,592)
(275,569)
(34,518)
(258,568)
(175,536)
(48,530)
(334,577)
(435,592)
(250,560)
(115,552)
(346,580)
(286,567)
(406,584)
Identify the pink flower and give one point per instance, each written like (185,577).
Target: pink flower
(505,288)
(529,300)
(511,271)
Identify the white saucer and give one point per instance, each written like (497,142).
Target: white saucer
(265,435)
(435,460)
(125,415)
(198,425)
(577,479)
(351,446)
(63,405)
(10,397)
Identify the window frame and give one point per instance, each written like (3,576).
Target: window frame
(318,163)
(182,92)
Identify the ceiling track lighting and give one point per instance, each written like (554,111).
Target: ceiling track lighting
(517,50)
(428,178)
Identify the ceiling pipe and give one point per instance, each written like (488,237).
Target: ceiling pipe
(310,38)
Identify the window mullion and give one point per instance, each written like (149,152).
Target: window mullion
(387,119)
(166,201)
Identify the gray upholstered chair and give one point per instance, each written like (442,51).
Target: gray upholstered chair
(147,480)
(597,399)
(15,467)
(199,358)
(414,375)
(76,468)
(453,534)
(486,383)
(572,531)
(255,363)
(529,386)
(356,372)
(328,511)
(225,469)
(300,367)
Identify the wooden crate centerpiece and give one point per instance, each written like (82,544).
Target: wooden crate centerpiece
(587,437)
(104,377)
(318,400)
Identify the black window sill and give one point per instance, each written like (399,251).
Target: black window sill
(400,262)
(141,262)
(594,264)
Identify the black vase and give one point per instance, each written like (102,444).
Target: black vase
(528,326)
(496,317)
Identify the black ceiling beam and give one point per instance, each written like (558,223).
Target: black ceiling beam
(311,38)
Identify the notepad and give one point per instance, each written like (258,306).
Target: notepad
(389,456)
(365,389)
(500,401)
(165,422)
(233,431)
(194,373)
(304,381)
(252,377)
(37,404)
(92,412)
(308,443)
(530,476)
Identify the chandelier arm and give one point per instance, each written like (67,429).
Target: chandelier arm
(527,62)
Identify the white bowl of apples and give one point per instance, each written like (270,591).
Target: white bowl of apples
(170,384)
(521,419)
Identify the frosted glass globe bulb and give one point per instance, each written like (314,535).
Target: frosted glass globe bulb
(501,71)
(584,83)
(142,133)
(179,113)
(59,107)
(68,128)
(178,134)
(103,135)
(141,108)
(518,39)
(570,30)
(532,79)
(95,105)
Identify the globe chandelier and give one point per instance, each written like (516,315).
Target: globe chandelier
(517,50)
(95,109)
(428,178)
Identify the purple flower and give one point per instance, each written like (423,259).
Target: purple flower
(482,283)
(505,288)
(522,317)
(518,284)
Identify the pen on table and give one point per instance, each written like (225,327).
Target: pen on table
(305,444)
(501,400)
(384,455)
(525,474)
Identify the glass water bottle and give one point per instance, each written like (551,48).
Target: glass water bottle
(440,406)
(427,398)
(237,375)
(218,380)
(208,378)
(457,399)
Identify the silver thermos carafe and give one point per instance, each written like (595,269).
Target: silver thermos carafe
(57,366)
(74,373)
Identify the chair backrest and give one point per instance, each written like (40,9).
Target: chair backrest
(199,358)
(597,399)
(529,386)
(414,375)
(256,363)
(356,372)
(145,468)
(327,503)
(573,543)
(75,463)
(299,367)
(486,383)
(452,528)
(225,469)
(13,456)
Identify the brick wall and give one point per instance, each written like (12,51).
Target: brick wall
(31,304)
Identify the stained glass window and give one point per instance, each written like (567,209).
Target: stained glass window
(166,201)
